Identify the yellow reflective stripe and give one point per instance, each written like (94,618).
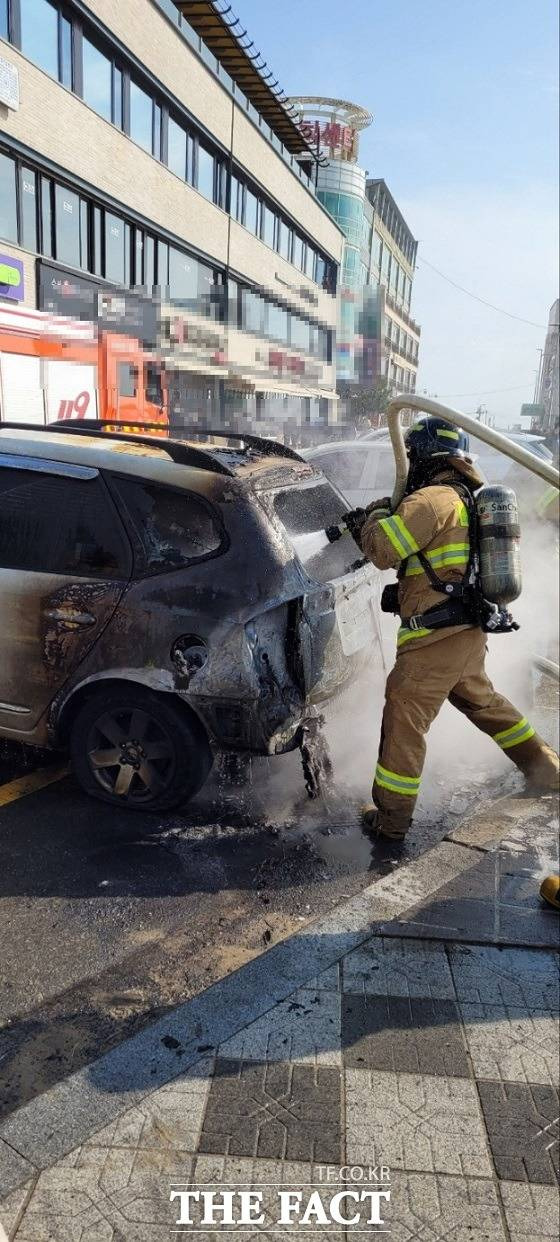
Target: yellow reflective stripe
(394,538)
(462,514)
(399,535)
(404,635)
(396,782)
(449,554)
(450,435)
(520,732)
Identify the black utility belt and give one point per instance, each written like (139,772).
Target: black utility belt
(453,613)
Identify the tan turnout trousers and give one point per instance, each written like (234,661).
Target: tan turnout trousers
(423,677)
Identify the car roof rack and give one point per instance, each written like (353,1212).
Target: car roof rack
(272,448)
(183,454)
(176,449)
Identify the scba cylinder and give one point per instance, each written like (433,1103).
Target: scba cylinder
(499,544)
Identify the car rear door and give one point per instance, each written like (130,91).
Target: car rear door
(64,563)
(340,608)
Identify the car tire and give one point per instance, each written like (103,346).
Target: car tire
(137,749)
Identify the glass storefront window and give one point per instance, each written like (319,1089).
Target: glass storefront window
(8,201)
(252,311)
(28,208)
(97,90)
(114,248)
(177,149)
(300,334)
(149,274)
(233,303)
(39,34)
(67,226)
(47,217)
(277,323)
(205,173)
(141,110)
(183,278)
(97,242)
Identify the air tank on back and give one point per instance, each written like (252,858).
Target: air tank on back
(499,539)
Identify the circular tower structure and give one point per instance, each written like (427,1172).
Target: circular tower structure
(333,127)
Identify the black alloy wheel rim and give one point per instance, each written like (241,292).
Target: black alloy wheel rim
(131,755)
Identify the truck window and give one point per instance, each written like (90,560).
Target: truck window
(175,527)
(153,390)
(127,379)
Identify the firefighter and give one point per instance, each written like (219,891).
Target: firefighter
(443,657)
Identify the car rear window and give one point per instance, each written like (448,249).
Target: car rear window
(305,511)
(176,528)
(58,525)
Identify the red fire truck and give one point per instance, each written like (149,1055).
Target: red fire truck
(53,367)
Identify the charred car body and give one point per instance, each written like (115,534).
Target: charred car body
(162,600)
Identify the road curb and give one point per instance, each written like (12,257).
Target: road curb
(65,1116)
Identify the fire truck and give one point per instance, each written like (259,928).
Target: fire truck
(53,367)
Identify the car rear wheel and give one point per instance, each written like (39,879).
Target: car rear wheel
(134,748)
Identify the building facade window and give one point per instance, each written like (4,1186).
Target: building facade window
(141,117)
(8,199)
(39,34)
(67,227)
(66,72)
(177,149)
(97,73)
(3,19)
(114,248)
(268,226)
(28,199)
(205,173)
(251,212)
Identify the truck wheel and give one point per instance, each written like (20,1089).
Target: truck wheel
(135,748)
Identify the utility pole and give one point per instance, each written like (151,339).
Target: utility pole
(538,377)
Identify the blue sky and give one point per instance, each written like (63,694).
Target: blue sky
(465,103)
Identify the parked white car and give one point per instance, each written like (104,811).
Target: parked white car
(363,469)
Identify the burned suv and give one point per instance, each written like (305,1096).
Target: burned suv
(162,600)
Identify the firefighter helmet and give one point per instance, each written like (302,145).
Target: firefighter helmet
(433,437)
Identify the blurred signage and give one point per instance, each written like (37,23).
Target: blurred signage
(11,278)
(331,136)
(120,311)
(9,84)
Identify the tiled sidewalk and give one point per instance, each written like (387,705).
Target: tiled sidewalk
(434,1055)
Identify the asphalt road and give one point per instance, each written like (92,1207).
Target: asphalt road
(108,918)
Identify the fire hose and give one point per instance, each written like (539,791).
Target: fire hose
(521,455)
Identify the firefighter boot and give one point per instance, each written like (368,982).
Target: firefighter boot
(376,826)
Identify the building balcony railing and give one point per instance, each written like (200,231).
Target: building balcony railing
(400,310)
(407,354)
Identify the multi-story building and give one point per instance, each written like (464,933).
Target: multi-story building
(393,257)
(549,378)
(142,150)
(377,335)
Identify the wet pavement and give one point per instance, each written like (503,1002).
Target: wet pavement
(109,918)
(424,1048)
